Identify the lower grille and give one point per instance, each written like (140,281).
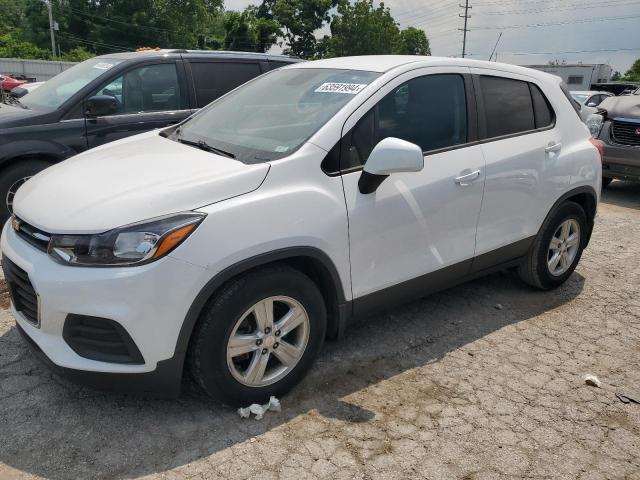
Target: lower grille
(23,295)
(626,133)
(100,339)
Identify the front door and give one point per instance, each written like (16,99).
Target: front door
(419,223)
(149,96)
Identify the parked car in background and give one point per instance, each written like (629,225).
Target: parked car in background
(617,124)
(9,83)
(590,98)
(323,191)
(111,97)
(22,90)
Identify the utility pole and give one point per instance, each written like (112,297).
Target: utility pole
(53,38)
(466,16)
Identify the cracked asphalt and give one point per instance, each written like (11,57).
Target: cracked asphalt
(447,387)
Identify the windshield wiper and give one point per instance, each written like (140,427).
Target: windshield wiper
(202,145)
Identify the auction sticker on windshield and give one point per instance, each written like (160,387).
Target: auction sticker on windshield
(350,88)
(103,66)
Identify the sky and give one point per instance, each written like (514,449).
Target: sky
(587,31)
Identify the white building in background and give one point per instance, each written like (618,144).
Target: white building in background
(578,76)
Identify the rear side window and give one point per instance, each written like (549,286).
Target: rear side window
(508,106)
(214,79)
(543,112)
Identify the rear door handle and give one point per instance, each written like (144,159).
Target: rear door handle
(467,178)
(553,147)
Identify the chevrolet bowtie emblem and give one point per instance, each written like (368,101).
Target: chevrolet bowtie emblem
(15,223)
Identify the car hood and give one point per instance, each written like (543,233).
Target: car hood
(622,107)
(13,116)
(128,181)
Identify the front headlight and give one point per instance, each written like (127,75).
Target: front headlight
(133,244)
(594,123)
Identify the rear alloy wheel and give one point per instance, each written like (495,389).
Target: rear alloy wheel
(557,249)
(258,336)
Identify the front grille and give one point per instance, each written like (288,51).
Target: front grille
(100,339)
(31,234)
(23,295)
(626,133)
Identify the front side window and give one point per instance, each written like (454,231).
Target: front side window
(273,115)
(214,79)
(53,93)
(430,111)
(150,88)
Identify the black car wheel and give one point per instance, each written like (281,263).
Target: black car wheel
(12,178)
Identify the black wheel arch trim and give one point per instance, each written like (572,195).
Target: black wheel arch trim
(582,190)
(343,311)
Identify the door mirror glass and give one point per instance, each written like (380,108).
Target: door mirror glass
(393,155)
(101,105)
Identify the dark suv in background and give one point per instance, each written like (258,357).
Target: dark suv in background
(111,97)
(618,127)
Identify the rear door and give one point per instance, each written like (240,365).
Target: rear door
(212,78)
(150,95)
(523,149)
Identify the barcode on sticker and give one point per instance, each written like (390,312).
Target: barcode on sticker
(350,88)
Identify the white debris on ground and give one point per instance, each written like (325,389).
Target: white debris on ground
(592,380)
(259,410)
(498,306)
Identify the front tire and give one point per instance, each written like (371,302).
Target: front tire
(557,249)
(11,178)
(258,336)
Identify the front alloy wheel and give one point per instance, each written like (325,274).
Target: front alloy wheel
(268,341)
(258,335)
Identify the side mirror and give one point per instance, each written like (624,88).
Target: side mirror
(18,92)
(101,105)
(391,155)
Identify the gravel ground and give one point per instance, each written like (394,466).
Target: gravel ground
(447,387)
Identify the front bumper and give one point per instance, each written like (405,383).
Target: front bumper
(149,301)
(620,161)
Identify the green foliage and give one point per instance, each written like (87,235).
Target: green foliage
(95,27)
(413,42)
(10,47)
(617,76)
(361,28)
(633,74)
(298,20)
(248,32)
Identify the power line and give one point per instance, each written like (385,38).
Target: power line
(602,19)
(603,50)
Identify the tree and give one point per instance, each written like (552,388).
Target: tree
(633,74)
(413,42)
(617,76)
(299,20)
(362,29)
(247,32)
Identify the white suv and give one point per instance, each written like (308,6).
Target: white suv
(238,240)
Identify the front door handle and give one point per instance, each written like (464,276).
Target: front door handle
(467,178)
(553,147)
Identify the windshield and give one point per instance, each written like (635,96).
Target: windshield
(580,97)
(53,93)
(272,116)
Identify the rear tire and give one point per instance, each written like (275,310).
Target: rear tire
(545,267)
(11,178)
(233,315)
